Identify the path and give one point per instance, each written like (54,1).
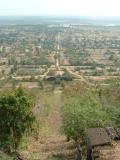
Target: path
(55,144)
(54,120)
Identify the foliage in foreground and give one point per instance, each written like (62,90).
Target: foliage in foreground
(80,114)
(16,118)
(87,107)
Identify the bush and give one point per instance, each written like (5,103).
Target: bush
(82,113)
(16,118)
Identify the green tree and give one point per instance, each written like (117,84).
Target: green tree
(114,113)
(82,113)
(16,118)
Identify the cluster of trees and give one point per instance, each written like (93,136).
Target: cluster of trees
(83,113)
(41,60)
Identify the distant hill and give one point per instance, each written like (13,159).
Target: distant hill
(23,20)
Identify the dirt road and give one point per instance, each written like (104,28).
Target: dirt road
(55,144)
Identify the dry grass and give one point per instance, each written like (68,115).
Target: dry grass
(51,142)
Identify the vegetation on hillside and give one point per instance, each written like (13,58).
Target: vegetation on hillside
(90,107)
(16,118)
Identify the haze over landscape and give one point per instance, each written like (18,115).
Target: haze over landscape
(92,8)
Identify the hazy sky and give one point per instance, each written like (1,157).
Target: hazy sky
(60,7)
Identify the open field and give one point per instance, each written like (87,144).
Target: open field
(34,52)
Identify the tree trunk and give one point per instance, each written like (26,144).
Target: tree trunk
(79,156)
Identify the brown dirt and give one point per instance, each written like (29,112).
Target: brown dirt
(110,152)
(29,85)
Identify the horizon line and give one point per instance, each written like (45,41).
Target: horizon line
(64,16)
